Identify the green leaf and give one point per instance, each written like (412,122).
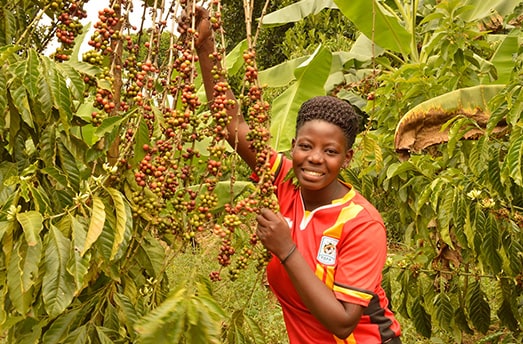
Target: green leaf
(203,326)
(8,52)
(513,249)
(226,195)
(79,335)
(443,310)
(480,10)
(234,333)
(60,179)
(42,203)
(102,336)
(151,256)
(490,245)
(60,327)
(126,307)
(296,12)
(3,95)
(478,155)
(19,281)
(282,74)
(423,198)
(503,58)
(5,227)
(478,307)
(58,285)
(32,224)
(111,317)
(77,48)
(96,224)
(141,138)
(480,226)
(459,215)
(234,59)
(310,78)
(444,214)
(109,124)
(494,172)
(437,186)
(21,102)
(513,164)
(399,169)
(514,104)
(460,319)
(421,318)
(30,266)
(254,330)
(44,98)
(69,167)
(372,149)
(459,127)
(507,316)
(31,75)
(385,29)
(123,221)
(75,80)
(166,322)
(60,95)
(78,265)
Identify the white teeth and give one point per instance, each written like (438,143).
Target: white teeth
(313,173)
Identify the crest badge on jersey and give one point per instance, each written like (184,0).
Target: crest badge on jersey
(327,251)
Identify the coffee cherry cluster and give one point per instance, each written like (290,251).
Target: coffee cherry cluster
(106,28)
(226,251)
(68,26)
(104,103)
(258,119)
(93,57)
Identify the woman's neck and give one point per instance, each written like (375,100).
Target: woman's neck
(313,199)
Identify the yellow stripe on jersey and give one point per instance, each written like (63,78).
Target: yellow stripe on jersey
(351,292)
(349,340)
(277,163)
(325,274)
(347,213)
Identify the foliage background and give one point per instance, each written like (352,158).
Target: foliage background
(88,255)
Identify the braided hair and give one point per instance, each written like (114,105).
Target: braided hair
(332,110)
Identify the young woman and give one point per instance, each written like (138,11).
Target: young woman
(328,242)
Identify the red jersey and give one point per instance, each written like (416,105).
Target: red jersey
(345,244)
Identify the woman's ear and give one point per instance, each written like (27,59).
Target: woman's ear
(348,158)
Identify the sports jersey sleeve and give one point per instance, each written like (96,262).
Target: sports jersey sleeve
(362,255)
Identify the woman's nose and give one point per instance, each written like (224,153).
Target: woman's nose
(315,156)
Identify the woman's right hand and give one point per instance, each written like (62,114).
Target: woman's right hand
(274,232)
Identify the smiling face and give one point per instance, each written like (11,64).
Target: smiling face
(318,153)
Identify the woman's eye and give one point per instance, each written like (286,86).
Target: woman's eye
(304,146)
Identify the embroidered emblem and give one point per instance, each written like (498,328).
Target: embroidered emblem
(327,251)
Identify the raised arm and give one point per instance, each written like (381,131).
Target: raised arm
(237,127)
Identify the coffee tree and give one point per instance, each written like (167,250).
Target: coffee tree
(113,163)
